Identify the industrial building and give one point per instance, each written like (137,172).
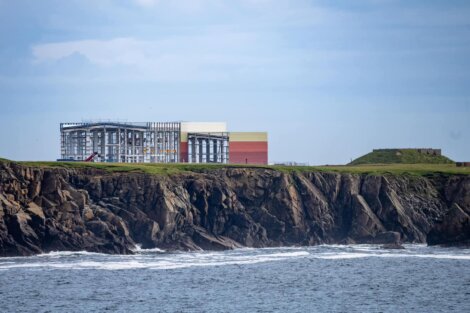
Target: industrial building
(168,142)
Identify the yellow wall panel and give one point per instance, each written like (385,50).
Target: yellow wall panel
(249,136)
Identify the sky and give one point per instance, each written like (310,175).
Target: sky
(329,80)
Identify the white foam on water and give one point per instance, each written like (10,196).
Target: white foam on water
(59,254)
(345,255)
(138,249)
(443,256)
(429,256)
(22,265)
(341,256)
(232,260)
(173,261)
(163,261)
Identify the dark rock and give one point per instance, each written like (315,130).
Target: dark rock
(393,246)
(46,209)
(453,229)
(387,238)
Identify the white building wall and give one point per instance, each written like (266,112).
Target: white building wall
(202,127)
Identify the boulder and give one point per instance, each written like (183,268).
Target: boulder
(387,238)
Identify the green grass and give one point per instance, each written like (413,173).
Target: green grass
(170,169)
(400,169)
(149,168)
(397,156)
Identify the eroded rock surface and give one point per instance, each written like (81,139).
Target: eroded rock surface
(50,209)
(453,229)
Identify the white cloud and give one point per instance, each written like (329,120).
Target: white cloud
(207,57)
(320,45)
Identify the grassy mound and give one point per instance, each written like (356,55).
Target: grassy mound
(397,156)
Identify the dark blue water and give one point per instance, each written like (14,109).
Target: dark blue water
(317,279)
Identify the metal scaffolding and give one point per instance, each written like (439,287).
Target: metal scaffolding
(208,148)
(163,144)
(121,142)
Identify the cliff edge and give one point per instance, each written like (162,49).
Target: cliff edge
(49,209)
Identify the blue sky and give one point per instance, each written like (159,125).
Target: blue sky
(329,80)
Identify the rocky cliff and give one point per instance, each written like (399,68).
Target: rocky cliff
(49,209)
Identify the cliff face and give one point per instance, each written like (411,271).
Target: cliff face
(48,209)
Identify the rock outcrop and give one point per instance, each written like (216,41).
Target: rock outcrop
(454,229)
(50,209)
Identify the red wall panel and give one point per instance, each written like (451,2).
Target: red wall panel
(248,146)
(184,152)
(254,152)
(241,152)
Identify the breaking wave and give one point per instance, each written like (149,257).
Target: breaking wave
(157,259)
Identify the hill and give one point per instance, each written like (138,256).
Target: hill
(400,156)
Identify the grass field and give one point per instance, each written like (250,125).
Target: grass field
(168,169)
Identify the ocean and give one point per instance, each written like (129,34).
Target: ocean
(355,278)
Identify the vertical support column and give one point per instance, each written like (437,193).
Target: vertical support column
(126,151)
(208,150)
(168,144)
(225,150)
(216,152)
(193,151)
(105,140)
(91,149)
(62,143)
(95,144)
(133,146)
(177,127)
(199,142)
(119,144)
(75,144)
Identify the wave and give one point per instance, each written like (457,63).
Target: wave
(58,254)
(52,254)
(138,249)
(340,256)
(173,261)
(157,259)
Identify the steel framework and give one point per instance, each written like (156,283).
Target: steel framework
(121,142)
(208,148)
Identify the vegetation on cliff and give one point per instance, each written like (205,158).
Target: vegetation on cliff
(168,169)
(398,156)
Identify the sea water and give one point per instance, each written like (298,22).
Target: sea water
(356,278)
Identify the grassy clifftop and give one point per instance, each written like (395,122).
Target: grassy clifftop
(397,156)
(169,169)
